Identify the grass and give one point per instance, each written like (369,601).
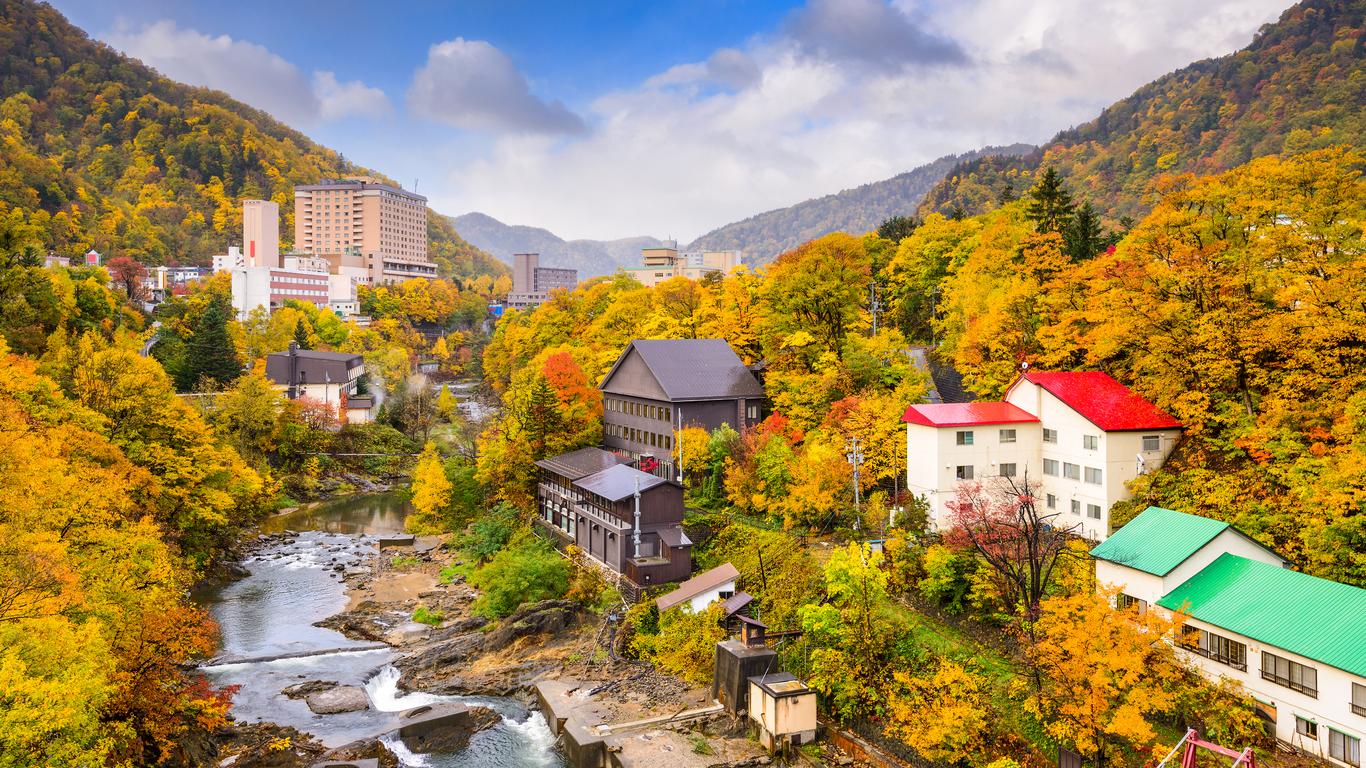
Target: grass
(449,573)
(404,562)
(431,618)
(700,745)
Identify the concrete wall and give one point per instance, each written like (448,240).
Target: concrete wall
(933,457)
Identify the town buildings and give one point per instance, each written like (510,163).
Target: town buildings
(628,520)
(337,379)
(261,233)
(1080,435)
(659,386)
(666,262)
(702,590)
(532,283)
(364,225)
(1292,641)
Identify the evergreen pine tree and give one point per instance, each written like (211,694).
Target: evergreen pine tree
(1084,237)
(540,417)
(1050,204)
(1007,194)
(211,355)
(301,334)
(897,228)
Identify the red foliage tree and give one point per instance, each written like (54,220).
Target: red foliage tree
(128,274)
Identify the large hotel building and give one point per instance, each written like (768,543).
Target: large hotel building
(374,231)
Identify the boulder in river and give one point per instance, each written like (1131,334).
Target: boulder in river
(303,690)
(342,698)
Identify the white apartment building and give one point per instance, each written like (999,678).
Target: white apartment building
(666,262)
(1080,435)
(1295,643)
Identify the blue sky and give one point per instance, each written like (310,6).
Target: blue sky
(667,118)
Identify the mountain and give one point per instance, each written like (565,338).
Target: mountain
(590,257)
(857,210)
(101,151)
(1299,85)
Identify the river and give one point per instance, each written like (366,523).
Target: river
(271,613)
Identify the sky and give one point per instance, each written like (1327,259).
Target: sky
(615,119)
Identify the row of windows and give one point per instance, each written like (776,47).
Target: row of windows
(1072,471)
(1088,442)
(1092,510)
(1341,746)
(634,435)
(643,410)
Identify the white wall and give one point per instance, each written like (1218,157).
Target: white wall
(933,457)
(1131,581)
(700,602)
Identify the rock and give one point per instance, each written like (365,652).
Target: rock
(547,616)
(342,698)
(365,749)
(302,690)
(257,746)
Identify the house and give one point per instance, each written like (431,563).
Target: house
(1294,642)
(659,386)
(629,521)
(334,378)
(702,590)
(1080,435)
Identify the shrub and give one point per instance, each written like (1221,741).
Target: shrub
(490,533)
(528,570)
(431,618)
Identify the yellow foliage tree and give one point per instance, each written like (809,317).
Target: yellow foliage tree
(431,493)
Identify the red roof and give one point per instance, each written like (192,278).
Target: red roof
(1103,401)
(966,414)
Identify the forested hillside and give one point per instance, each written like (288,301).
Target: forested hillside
(590,257)
(102,152)
(1300,85)
(857,210)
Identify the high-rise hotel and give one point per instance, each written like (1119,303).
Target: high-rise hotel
(374,231)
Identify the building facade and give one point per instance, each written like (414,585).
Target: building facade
(261,233)
(384,226)
(337,379)
(532,283)
(627,520)
(667,262)
(1293,642)
(659,386)
(1081,436)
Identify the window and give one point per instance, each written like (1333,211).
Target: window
(1093,511)
(1306,728)
(1344,748)
(752,412)
(1152,443)
(1050,467)
(1051,501)
(1007,470)
(1090,442)
(1292,675)
(1093,476)
(1050,435)
(668,414)
(1123,601)
(1076,507)
(1007,435)
(1359,699)
(1221,649)
(964,437)
(1071,471)
(964,472)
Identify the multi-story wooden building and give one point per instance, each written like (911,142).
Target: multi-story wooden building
(659,386)
(625,519)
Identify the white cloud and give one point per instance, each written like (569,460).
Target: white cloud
(337,99)
(832,101)
(247,72)
(471,84)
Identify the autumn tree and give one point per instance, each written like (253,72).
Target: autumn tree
(944,715)
(1102,676)
(128,275)
(1020,541)
(431,494)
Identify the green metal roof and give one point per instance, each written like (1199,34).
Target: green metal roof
(1158,540)
(1315,618)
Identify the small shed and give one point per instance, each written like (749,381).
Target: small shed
(783,709)
(702,590)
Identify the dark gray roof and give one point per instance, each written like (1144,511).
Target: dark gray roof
(946,383)
(736,602)
(617,483)
(692,369)
(674,537)
(580,463)
(314,367)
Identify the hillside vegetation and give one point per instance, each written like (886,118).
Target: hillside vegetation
(1300,85)
(102,152)
(764,236)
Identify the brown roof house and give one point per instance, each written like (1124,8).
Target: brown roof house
(335,378)
(626,519)
(659,386)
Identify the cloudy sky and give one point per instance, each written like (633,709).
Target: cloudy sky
(671,118)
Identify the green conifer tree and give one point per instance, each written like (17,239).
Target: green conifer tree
(1050,204)
(301,334)
(212,357)
(1084,237)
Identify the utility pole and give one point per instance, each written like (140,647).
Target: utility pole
(874,304)
(855,457)
(635,532)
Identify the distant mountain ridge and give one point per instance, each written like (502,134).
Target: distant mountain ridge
(861,209)
(1298,85)
(590,257)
